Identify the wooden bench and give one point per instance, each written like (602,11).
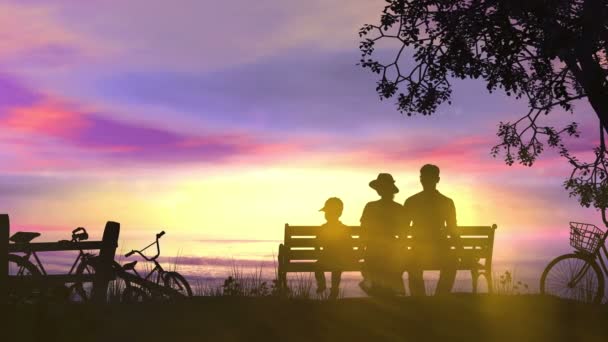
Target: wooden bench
(300,252)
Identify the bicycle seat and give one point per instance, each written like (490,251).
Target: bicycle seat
(24,237)
(129,265)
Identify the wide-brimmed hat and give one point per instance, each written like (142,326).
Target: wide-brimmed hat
(384,181)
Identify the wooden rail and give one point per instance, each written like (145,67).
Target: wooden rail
(103,272)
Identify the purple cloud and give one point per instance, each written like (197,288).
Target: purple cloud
(13,93)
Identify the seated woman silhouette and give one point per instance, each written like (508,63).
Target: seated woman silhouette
(380,223)
(335,239)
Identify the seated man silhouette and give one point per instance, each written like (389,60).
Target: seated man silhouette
(380,223)
(432,217)
(336,240)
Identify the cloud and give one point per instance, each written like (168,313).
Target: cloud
(49,133)
(295,92)
(189,34)
(34,37)
(16,187)
(44,118)
(136,143)
(14,93)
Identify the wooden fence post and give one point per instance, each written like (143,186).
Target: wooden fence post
(103,271)
(4,234)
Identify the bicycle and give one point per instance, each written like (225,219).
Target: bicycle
(157,284)
(20,266)
(580,275)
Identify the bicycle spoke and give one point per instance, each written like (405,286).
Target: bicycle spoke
(29,290)
(573,277)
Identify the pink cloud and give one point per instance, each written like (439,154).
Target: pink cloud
(34,36)
(49,133)
(45,118)
(464,153)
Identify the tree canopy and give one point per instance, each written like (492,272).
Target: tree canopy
(549,53)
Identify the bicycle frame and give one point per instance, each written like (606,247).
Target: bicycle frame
(81,256)
(599,257)
(38,263)
(596,257)
(158,269)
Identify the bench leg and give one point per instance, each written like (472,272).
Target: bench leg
(475,279)
(283,280)
(281,274)
(488,276)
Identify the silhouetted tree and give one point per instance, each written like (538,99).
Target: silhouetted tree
(549,52)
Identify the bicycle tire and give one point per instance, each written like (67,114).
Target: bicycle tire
(84,267)
(19,294)
(178,283)
(135,294)
(115,288)
(557,278)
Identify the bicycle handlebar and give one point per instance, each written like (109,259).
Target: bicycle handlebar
(158,236)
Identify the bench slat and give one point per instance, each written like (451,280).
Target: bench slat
(314,254)
(314,242)
(305,236)
(313,230)
(477,230)
(356,230)
(484,242)
(313,267)
(475,253)
(303,242)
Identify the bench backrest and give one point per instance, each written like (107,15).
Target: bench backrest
(301,243)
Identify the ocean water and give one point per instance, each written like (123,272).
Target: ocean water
(208,262)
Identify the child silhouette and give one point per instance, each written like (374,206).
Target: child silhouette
(334,239)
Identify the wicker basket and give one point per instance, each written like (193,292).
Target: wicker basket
(585,237)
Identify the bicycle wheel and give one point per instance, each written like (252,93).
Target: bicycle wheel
(117,287)
(28,286)
(574,277)
(80,292)
(135,294)
(178,283)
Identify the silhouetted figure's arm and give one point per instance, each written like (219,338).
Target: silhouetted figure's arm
(404,223)
(320,239)
(406,220)
(365,221)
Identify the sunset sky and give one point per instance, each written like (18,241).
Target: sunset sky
(226,119)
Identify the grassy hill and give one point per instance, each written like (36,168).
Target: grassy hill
(456,318)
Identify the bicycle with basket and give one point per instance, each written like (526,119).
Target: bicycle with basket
(579,275)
